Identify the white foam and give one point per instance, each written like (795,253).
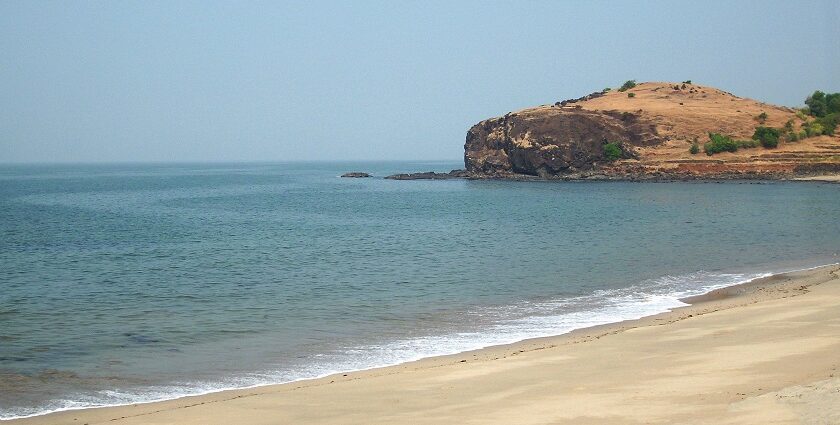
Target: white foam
(508,324)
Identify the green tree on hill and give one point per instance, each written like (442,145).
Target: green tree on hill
(768,136)
(629,84)
(821,104)
(825,108)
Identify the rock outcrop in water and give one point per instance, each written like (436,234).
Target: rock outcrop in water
(430,175)
(356,175)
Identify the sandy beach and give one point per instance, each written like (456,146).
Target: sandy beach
(821,178)
(424,213)
(765,352)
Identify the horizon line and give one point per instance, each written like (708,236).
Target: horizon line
(220,161)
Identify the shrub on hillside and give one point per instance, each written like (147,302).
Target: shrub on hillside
(829,123)
(612,151)
(719,143)
(762,117)
(694,149)
(768,136)
(824,125)
(629,84)
(788,126)
(801,114)
(631,94)
(813,129)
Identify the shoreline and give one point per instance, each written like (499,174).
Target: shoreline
(605,175)
(774,287)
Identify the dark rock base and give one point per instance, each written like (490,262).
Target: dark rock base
(356,175)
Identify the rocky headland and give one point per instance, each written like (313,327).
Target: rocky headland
(649,131)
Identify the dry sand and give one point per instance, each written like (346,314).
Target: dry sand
(762,353)
(828,178)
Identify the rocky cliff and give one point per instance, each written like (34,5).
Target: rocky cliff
(653,125)
(546,142)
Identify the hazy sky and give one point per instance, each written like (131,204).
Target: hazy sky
(228,81)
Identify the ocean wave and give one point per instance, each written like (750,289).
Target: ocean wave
(500,325)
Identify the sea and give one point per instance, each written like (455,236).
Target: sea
(129,283)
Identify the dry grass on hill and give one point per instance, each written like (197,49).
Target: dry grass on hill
(687,112)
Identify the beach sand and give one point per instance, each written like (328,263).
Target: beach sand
(765,352)
(822,178)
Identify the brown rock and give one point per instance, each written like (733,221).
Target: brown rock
(544,142)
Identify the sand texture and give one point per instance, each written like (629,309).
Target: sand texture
(762,353)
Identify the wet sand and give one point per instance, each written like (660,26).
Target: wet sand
(765,352)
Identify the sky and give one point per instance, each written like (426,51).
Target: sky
(159,81)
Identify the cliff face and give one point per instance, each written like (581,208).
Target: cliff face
(654,126)
(545,142)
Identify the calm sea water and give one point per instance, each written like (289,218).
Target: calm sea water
(128,283)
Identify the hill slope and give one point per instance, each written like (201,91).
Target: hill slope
(654,128)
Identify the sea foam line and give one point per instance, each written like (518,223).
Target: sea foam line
(532,320)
